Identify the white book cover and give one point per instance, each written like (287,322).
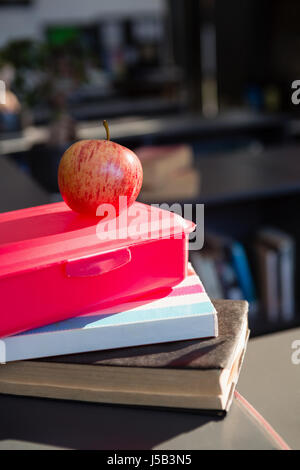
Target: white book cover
(186,312)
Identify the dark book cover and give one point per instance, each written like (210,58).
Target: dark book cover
(189,375)
(212,353)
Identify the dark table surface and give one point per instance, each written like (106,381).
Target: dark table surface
(28,423)
(270,380)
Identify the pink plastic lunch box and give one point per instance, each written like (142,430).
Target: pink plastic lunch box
(56,264)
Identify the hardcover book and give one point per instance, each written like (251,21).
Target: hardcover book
(183,312)
(199,374)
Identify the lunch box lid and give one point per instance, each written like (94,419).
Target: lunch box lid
(46,235)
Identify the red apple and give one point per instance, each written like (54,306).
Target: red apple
(94,172)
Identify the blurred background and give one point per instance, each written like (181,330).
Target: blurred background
(201,90)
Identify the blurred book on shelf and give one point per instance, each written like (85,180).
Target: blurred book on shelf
(195,374)
(228,262)
(206,269)
(220,248)
(168,173)
(224,267)
(184,312)
(275,252)
(264,275)
(267,265)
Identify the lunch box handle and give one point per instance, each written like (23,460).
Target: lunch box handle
(97,264)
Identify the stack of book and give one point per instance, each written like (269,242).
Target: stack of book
(168,173)
(175,349)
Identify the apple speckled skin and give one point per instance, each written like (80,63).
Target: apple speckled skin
(94,172)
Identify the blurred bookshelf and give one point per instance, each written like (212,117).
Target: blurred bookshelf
(251,195)
(135,131)
(246,193)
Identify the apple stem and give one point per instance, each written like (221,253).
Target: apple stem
(107,129)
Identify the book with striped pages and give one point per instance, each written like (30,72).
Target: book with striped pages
(184,312)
